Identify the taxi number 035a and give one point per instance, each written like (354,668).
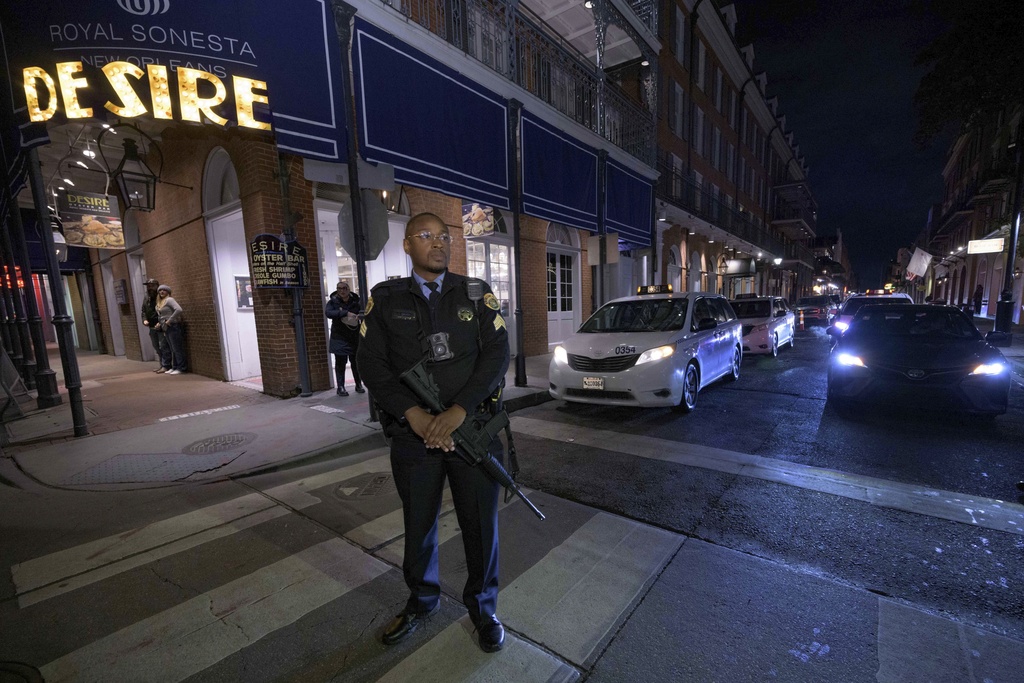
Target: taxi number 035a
(625,350)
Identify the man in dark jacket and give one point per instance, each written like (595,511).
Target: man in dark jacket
(398,331)
(343,308)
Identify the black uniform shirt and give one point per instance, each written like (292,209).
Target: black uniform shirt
(397,322)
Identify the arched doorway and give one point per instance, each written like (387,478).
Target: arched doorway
(489,257)
(982,280)
(674,270)
(693,277)
(229,265)
(563,276)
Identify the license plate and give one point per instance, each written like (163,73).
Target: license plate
(593,383)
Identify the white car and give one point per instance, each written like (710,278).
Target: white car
(656,349)
(854,304)
(768,323)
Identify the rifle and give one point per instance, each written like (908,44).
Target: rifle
(472,439)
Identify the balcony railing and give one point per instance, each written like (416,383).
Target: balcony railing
(784,211)
(698,200)
(647,12)
(515,44)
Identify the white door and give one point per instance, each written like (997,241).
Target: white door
(562,294)
(230,263)
(492,263)
(137,277)
(113,310)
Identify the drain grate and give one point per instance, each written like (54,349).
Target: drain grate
(219,444)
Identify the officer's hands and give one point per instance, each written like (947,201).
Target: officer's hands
(439,433)
(419,420)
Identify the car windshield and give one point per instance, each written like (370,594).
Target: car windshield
(752,309)
(854,305)
(813,301)
(889,321)
(651,315)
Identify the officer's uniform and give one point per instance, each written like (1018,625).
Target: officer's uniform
(395,329)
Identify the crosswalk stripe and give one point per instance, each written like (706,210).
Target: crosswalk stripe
(387,528)
(88,563)
(572,598)
(989,513)
(453,655)
(60,565)
(198,633)
(75,582)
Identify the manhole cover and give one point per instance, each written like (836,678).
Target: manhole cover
(219,444)
(367,486)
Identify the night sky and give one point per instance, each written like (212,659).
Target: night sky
(844,73)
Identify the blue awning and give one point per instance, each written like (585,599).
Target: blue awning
(628,205)
(440,130)
(559,175)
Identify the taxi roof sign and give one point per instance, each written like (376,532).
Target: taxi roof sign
(654,289)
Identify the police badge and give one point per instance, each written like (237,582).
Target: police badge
(465,315)
(491,302)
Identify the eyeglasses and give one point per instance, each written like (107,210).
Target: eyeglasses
(430,237)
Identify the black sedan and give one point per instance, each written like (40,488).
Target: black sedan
(918,355)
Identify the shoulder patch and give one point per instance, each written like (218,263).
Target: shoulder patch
(491,302)
(499,323)
(369,306)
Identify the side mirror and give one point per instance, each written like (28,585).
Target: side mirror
(707,324)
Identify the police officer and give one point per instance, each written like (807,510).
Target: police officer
(460,329)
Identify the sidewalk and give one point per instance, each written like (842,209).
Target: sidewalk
(148,429)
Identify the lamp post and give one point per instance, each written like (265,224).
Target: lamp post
(1005,306)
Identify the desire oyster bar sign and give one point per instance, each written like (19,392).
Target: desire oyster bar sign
(220,63)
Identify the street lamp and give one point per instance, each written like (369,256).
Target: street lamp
(134,177)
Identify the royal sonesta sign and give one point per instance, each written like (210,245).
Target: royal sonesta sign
(260,65)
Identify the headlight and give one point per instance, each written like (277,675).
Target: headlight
(849,360)
(990,369)
(658,353)
(841,326)
(561,356)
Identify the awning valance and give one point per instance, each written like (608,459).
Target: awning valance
(629,201)
(440,130)
(559,175)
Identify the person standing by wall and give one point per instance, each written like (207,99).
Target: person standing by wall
(467,356)
(151,319)
(979,294)
(343,308)
(171,327)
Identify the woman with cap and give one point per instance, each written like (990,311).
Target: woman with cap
(151,319)
(173,336)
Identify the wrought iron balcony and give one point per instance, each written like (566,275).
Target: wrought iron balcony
(698,200)
(516,44)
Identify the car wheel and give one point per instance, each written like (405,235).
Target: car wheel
(691,385)
(792,336)
(775,345)
(737,358)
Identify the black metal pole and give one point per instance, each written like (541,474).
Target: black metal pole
(602,249)
(5,325)
(1004,309)
(298,319)
(20,329)
(61,320)
(343,15)
(515,109)
(47,394)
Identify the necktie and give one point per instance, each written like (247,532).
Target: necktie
(432,299)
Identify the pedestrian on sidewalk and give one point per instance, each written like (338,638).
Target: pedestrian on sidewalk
(979,293)
(171,327)
(151,319)
(467,357)
(344,309)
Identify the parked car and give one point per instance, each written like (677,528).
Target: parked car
(815,309)
(767,324)
(656,349)
(854,303)
(918,355)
